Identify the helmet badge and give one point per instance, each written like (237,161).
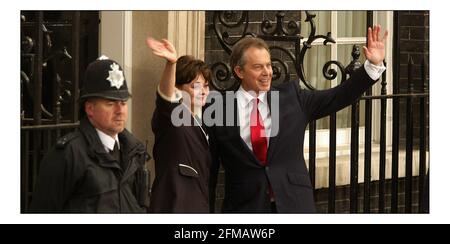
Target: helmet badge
(115,76)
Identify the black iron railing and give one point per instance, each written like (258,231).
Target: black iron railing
(53,49)
(35,142)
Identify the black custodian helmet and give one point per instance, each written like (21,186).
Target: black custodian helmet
(104,78)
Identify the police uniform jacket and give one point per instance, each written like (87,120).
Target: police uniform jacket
(78,175)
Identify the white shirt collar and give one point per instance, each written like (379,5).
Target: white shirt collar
(107,141)
(245,97)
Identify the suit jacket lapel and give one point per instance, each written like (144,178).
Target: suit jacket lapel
(273,139)
(236,131)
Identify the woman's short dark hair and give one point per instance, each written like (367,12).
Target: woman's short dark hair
(188,68)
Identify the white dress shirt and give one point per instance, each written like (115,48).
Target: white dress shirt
(245,105)
(245,102)
(107,141)
(373,70)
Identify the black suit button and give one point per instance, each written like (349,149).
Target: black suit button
(266,168)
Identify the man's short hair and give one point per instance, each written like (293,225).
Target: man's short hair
(237,53)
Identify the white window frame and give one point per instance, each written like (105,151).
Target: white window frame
(385,19)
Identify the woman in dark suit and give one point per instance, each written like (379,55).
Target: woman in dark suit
(181,150)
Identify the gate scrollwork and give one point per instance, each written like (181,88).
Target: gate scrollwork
(231,26)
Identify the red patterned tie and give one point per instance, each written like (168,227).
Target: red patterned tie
(258,135)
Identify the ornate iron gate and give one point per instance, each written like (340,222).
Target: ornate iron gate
(55,48)
(282,33)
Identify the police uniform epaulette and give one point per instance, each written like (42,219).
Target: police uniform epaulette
(62,142)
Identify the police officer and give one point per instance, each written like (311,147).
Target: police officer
(99,168)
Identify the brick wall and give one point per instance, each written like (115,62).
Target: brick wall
(414,44)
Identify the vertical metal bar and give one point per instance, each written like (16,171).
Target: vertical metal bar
(75,63)
(369,18)
(37,112)
(395,113)
(56,103)
(422,155)
(368,139)
(38,69)
(367,154)
(332,166)
(24,168)
(409,141)
(58,114)
(382,178)
(22,85)
(36,135)
(49,140)
(312,153)
(354,156)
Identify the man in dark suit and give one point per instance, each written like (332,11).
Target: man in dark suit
(262,152)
